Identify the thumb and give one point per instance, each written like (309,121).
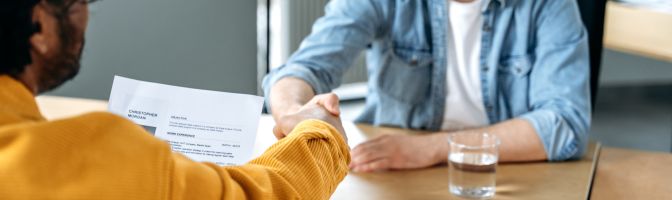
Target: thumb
(278,132)
(331,103)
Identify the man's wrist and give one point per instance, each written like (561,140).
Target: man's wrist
(442,147)
(285,110)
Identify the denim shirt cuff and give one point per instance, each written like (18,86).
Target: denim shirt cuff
(560,142)
(296,71)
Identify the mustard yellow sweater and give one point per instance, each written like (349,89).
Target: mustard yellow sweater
(102,156)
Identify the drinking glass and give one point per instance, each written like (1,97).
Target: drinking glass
(473,162)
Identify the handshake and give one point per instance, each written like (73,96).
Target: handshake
(322,107)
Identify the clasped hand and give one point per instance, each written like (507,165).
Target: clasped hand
(322,107)
(386,152)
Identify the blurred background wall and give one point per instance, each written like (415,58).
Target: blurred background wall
(206,44)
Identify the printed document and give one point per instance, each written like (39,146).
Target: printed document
(204,125)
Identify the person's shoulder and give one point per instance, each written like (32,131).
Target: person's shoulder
(103,128)
(98,123)
(96,119)
(102,115)
(76,122)
(100,146)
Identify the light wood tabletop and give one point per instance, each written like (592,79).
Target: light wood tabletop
(632,174)
(566,180)
(621,173)
(542,180)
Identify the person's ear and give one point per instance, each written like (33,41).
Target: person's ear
(38,40)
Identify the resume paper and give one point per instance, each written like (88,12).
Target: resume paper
(206,126)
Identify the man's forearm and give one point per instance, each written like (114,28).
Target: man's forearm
(288,95)
(519,141)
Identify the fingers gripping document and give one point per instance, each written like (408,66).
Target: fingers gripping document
(204,125)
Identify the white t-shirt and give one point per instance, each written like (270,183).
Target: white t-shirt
(464,98)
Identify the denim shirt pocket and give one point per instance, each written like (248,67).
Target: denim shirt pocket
(513,84)
(406,74)
(518,66)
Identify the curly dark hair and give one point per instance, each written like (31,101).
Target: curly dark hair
(16,28)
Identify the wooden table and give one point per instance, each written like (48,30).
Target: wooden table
(639,30)
(621,174)
(566,180)
(632,174)
(569,180)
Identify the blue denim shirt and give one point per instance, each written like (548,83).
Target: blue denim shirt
(534,64)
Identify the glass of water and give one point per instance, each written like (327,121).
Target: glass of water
(473,161)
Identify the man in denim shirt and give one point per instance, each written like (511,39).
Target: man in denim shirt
(515,68)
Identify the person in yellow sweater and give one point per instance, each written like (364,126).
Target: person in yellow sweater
(103,156)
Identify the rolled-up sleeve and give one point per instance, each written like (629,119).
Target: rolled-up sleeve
(308,164)
(559,82)
(335,42)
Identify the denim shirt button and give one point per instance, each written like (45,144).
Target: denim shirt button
(414,60)
(487,28)
(485,69)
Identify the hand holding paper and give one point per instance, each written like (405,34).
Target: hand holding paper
(204,125)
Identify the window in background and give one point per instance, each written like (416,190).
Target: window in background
(263,34)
